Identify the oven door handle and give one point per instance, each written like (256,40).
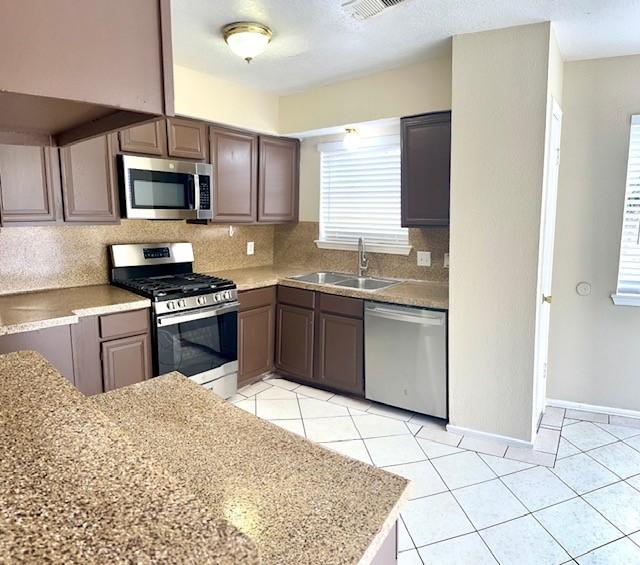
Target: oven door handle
(173,319)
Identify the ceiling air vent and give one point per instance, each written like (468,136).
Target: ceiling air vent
(363,9)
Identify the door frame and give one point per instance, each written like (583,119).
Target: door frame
(553,140)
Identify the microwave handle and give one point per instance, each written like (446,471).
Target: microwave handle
(191,192)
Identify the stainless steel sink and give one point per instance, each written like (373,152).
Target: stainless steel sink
(366,283)
(322,277)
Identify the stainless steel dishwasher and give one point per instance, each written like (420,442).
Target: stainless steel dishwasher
(406,357)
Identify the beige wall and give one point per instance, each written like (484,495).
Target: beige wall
(595,346)
(207,97)
(498,136)
(412,89)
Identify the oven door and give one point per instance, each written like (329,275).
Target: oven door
(159,189)
(202,345)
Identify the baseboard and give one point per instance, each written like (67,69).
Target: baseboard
(510,441)
(593,408)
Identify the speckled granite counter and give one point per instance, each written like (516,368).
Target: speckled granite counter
(75,489)
(412,293)
(301,504)
(59,307)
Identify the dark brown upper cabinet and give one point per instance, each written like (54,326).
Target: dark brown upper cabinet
(278,176)
(89,181)
(187,139)
(234,156)
(425,169)
(29,185)
(148,139)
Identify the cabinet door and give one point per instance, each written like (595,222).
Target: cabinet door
(234,156)
(278,180)
(187,138)
(425,169)
(150,139)
(340,353)
(89,184)
(256,329)
(125,361)
(294,348)
(29,184)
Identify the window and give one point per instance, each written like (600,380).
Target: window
(628,292)
(360,196)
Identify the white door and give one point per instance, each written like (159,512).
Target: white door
(547,236)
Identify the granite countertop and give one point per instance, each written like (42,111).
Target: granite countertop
(75,489)
(408,292)
(300,503)
(58,307)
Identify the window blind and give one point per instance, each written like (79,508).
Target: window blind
(360,194)
(629,271)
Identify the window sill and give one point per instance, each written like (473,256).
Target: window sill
(626,299)
(370,247)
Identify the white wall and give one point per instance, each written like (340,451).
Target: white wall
(412,89)
(499,102)
(595,346)
(207,97)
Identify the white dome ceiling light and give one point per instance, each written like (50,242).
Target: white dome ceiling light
(247,39)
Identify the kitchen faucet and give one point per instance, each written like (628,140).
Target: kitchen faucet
(363,260)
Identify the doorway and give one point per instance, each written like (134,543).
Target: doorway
(545,271)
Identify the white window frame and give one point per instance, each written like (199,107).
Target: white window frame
(625,298)
(394,249)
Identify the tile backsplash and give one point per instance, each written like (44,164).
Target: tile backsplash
(294,244)
(33,258)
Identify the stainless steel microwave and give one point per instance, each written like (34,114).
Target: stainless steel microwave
(164,189)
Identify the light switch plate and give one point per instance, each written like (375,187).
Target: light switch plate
(446,260)
(251,248)
(424,258)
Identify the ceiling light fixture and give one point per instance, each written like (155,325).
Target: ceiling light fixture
(247,39)
(351,139)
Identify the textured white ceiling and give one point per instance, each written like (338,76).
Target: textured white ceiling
(316,42)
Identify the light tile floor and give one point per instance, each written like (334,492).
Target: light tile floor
(475,502)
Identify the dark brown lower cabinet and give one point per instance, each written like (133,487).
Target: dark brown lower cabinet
(340,353)
(320,339)
(294,348)
(111,351)
(256,333)
(126,361)
(54,344)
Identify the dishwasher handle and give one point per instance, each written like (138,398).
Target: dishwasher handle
(395,315)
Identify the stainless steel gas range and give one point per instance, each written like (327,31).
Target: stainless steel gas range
(195,317)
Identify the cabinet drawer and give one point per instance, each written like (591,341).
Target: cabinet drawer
(342,305)
(296,296)
(255,298)
(124,323)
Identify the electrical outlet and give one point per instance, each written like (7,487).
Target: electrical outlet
(424,258)
(446,260)
(251,248)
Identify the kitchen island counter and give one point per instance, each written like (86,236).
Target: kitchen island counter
(75,489)
(300,503)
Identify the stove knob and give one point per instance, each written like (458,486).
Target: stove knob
(182,303)
(171,305)
(227,295)
(202,300)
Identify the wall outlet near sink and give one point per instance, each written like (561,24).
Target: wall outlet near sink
(424,258)
(251,248)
